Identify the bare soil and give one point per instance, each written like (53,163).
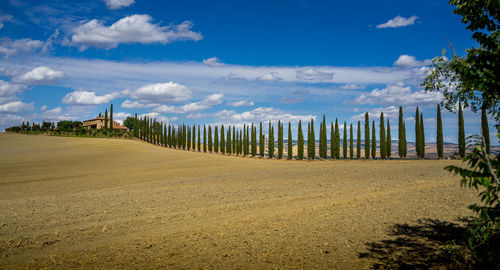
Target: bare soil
(112,203)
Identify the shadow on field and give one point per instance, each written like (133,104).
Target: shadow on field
(429,244)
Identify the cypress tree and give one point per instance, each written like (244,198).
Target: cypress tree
(300,142)
(485,130)
(228,141)
(234,139)
(280,140)
(422,137)
(289,144)
(204,139)
(199,139)
(417,133)
(222,141)
(401,134)
(254,140)
(174,138)
(382,138)
(162,137)
(405,145)
(237,142)
(309,140)
(169,143)
(367,136)
(389,141)
(247,140)
(344,142)
(332,141)
(374,142)
(439,133)
(337,140)
(240,143)
(106,119)
(188,146)
(193,134)
(261,141)
(209,139)
(320,145)
(325,140)
(136,127)
(270,143)
(111,118)
(216,139)
(351,144)
(358,142)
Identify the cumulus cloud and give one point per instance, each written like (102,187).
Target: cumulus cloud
(259,114)
(209,101)
(9,47)
(120,116)
(241,103)
(82,97)
(352,86)
(313,75)
(159,117)
(131,29)
(213,61)
(410,61)
(130,104)
(162,93)
(271,76)
(39,75)
(8,89)
(399,95)
(117,4)
(15,107)
(5,18)
(398,21)
(390,112)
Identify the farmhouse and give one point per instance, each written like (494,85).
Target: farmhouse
(98,123)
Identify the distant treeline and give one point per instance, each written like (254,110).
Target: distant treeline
(246,141)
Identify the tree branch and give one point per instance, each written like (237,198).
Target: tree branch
(452,48)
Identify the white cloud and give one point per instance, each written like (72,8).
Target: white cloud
(313,74)
(40,75)
(241,103)
(10,90)
(120,116)
(159,117)
(213,61)
(162,93)
(391,112)
(271,76)
(399,95)
(410,61)
(131,29)
(5,18)
(117,4)
(259,114)
(43,108)
(82,97)
(211,100)
(8,119)
(398,21)
(15,107)
(9,47)
(352,86)
(130,104)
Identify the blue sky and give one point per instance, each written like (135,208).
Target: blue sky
(225,62)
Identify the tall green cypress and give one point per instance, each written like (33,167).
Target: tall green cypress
(309,140)
(344,142)
(405,144)
(382,138)
(300,142)
(439,133)
(401,134)
(205,139)
(247,145)
(320,144)
(417,133)
(270,143)
(485,130)
(234,139)
(188,144)
(373,147)
(351,144)
(240,143)
(199,139)
(332,141)
(358,141)
(337,140)
(388,152)
(254,140)
(193,141)
(262,144)
(312,142)
(184,137)
(228,141)
(216,139)
(169,136)
(237,143)
(162,138)
(111,118)
(367,136)
(280,140)
(289,141)
(422,137)
(222,141)
(209,139)
(136,127)
(245,140)
(106,119)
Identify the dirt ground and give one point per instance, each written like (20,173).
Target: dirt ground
(111,203)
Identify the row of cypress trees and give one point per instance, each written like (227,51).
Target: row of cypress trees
(245,142)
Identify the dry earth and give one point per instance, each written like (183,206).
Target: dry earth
(110,203)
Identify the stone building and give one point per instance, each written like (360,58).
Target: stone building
(98,123)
